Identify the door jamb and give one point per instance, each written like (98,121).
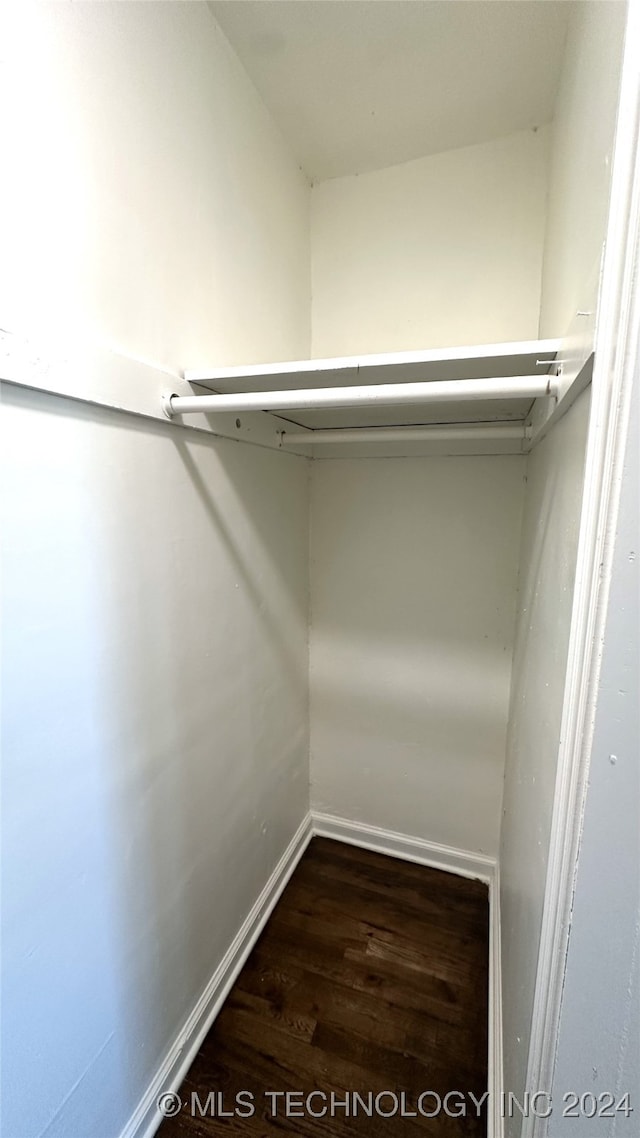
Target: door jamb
(617,358)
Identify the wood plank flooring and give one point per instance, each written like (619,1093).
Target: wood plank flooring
(371,976)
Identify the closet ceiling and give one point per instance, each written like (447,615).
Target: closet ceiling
(357,85)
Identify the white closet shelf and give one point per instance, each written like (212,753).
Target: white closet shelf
(482,384)
(483,361)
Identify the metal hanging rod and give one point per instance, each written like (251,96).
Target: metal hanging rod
(436,433)
(372,395)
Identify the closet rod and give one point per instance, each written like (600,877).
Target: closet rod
(373,395)
(436,433)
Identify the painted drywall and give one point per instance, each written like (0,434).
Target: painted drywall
(443,250)
(582,145)
(153,203)
(155,726)
(413,580)
(154,738)
(555,471)
(362,86)
(601,984)
(582,136)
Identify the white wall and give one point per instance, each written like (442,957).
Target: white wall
(155,738)
(581,150)
(545,593)
(152,202)
(602,982)
(155,580)
(443,250)
(413,578)
(578,204)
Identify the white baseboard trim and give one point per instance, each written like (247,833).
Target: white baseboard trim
(146,1118)
(465,864)
(495,1075)
(389,842)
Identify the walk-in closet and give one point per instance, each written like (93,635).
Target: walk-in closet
(310,314)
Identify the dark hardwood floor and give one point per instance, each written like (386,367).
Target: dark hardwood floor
(370,976)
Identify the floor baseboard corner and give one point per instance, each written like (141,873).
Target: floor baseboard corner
(147,1118)
(433,854)
(466,864)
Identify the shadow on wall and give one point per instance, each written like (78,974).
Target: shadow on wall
(414,566)
(519,814)
(265,523)
(155,729)
(555,477)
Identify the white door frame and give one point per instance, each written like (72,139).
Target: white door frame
(616,360)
